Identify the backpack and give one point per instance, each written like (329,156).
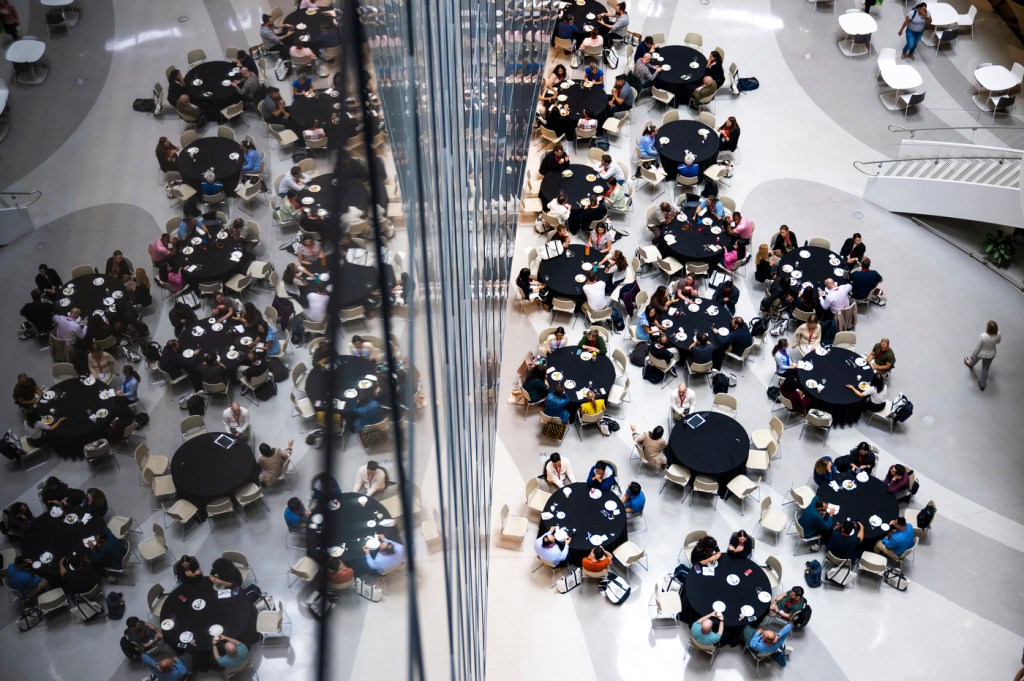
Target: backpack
(283,69)
(10,446)
(254,594)
(144,105)
(680,574)
(115,605)
(902,409)
(773,392)
(265,390)
(757,327)
(151,351)
(29,618)
(926,515)
(615,588)
(894,577)
(829,329)
(196,405)
(142,419)
(130,650)
(720,383)
(285,310)
(812,573)
(653,374)
(298,334)
(801,618)
(600,142)
(748,84)
(638,355)
(277,369)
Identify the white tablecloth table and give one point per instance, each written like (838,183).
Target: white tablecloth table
(27,51)
(899,77)
(857,23)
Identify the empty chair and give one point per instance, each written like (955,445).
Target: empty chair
(219,506)
(771,519)
(846,339)
(909,99)
(192,426)
(773,433)
(304,569)
(817,419)
(271,623)
(725,403)
(741,487)
(663,607)
(679,475)
(51,601)
(94,451)
(872,563)
(664,97)
(629,554)
(703,484)
(195,57)
(153,547)
(63,371)
(513,527)
(946,36)
(694,40)
(819,242)
(856,45)
(182,511)
(773,570)
(83,271)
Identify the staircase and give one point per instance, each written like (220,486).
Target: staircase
(998,172)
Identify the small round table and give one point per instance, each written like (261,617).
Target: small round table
(682,77)
(598,520)
(864,500)
(334,194)
(205,257)
(233,613)
(348,370)
(690,320)
(209,86)
(857,23)
(562,273)
(695,240)
(899,77)
(28,51)
(356,519)
(89,405)
(812,265)
(228,341)
(674,139)
(734,584)
(824,375)
(59,538)
(203,470)
(579,95)
(94,294)
(358,282)
(582,372)
(325,107)
(582,183)
(219,153)
(717,448)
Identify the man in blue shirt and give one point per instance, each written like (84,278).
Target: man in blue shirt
(817,520)
(23,579)
(898,541)
(229,653)
(210,184)
(549,550)
(389,556)
(736,341)
(764,641)
(864,281)
(557,404)
(367,412)
(844,543)
(703,630)
(295,514)
(169,668)
(634,499)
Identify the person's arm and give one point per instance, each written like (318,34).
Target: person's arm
(906,22)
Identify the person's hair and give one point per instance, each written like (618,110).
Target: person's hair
(731,122)
(877,382)
(266,449)
(900,469)
(741,533)
(900,522)
(291,194)
(865,263)
(173,75)
(547,541)
(620,260)
(702,339)
(784,228)
(36,295)
(648,40)
(559,330)
(129,371)
(563,197)
(660,292)
(783,343)
(555,457)
(716,55)
(812,319)
(634,488)
(657,432)
(295,504)
(132,622)
(991,328)
(820,504)
(620,77)
(821,466)
(798,590)
(790,384)
(141,278)
(599,553)
(372,465)
(849,527)
(613,182)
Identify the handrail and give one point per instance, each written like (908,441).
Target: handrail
(1013,281)
(894,127)
(38,194)
(857,164)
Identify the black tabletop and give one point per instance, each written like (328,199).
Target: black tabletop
(206,87)
(683,324)
(58,537)
(307,24)
(580,9)
(219,153)
(580,96)
(348,369)
(583,182)
(866,499)
(356,519)
(333,191)
(562,273)
(681,75)
(228,340)
(94,294)
(324,106)
(215,257)
(79,400)
(599,370)
(357,281)
(697,240)
(235,614)
(718,447)
(598,520)
(203,470)
(814,265)
(704,591)
(684,136)
(833,371)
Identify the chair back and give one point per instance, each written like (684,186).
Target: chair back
(188,137)
(704,368)
(797,525)
(726,400)
(820,242)
(215,388)
(707,118)
(773,564)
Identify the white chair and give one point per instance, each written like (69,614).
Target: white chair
(629,554)
(536,498)
(773,433)
(273,624)
(679,475)
(663,607)
(741,487)
(773,570)
(872,563)
(817,419)
(664,97)
(703,484)
(819,242)
(725,403)
(151,548)
(771,519)
(760,460)
(513,527)
(694,40)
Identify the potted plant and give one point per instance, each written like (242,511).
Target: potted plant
(999,248)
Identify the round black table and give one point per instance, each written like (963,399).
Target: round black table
(209,86)
(335,192)
(215,257)
(579,96)
(687,323)
(685,136)
(234,613)
(813,265)
(599,370)
(358,282)
(324,106)
(579,186)
(228,340)
(80,400)
(356,519)
(348,371)
(704,590)
(307,24)
(697,240)
(681,78)
(866,499)
(598,520)
(562,273)
(203,470)
(219,153)
(717,448)
(54,535)
(832,371)
(585,13)
(94,294)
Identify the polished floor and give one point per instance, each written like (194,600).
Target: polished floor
(802,130)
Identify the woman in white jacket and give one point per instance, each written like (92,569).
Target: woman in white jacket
(985,350)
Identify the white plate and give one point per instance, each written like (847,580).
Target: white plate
(68,290)
(117,295)
(233,156)
(301,27)
(196,240)
(595,494)
(313,188)
(694,64)
(681,336)
(732,579)
(65,302)
(232,354)
(849,485)
(216,630)
(185,636)
(805,254)
(812,384)
(787,268)
(307,200)
(862,385)
(560,515)
(102,413)
(350,394)
(225,83)
(747,610)
(187,354)
(89,380)
(820,351)
(187,250)
(335,551)
(706,221)
(586,355)
(580,278)
(562,98)
(663,140)
(245,340)
(197,331)
(591,16)
(56,512)
(217,327)
(197,81)
(874,521)
(373,543)
(586,266)
(723,331)
(556,376)
(693,308)
(47,557)
(570,384)
(371,523)
(566,173)
(598,189)
(364,384)
(561,535)
(317,518)
(167,624)
(666,67)
(716,230)
(99,281)
(610,505)
(764,596)
(718,606)
(198,604)
(861,362)
(49,395)
(885,527)
(71,518)
(796,274)
(667,324)
(839,271)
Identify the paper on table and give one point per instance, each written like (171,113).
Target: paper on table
(833,508)
(834,485)
(669,239)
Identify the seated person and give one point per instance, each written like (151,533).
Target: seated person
(21,577)
(38,312)
(817,519)
(536,385)
(784,242)
(824,472)
(78,575)
(766,641)
(701,350)
(601,476)
(597,561)
(229,653)
(555,160)
(781,292)
(683,401)
(592,406)
(727,295)
(361,347)
(808,336)
(211,371)
(388,556)
(26,391)
(852,250)
(187,570)
(225,574)
(169,668)
(786,606)
(324,488)
(296,515)
(784,365)
(593,341)
(210,184)
(705,551)
(549,550)
(808,302)
(865,281)
(736,341)
(118,267)
(108,551)
(370,479)
(56,492)
(897,541)
(861,458)
(881,358)
(533,289)
(557,404)
(845,542)
(303,83)
(367,411)
(236,419)
(102,365)
(17,518)
(689,167)
(703,630)
(558,471)
(897,479)
(741,545)
(172,361)
(790,389)
(634,499)
(874,394)
(652,445)
(338,572)
(661,349)
(271,461)
(734,256)
(142,634)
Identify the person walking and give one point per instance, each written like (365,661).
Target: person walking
(985,351)
(914,24)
